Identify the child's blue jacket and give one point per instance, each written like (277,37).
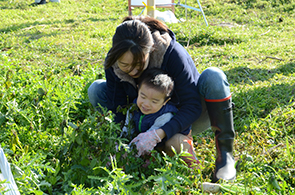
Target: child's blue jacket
(145,122)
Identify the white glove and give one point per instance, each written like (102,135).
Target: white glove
(145,142)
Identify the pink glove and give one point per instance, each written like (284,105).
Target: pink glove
(145,142)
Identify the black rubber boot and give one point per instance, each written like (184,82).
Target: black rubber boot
(221,117)
(42,2)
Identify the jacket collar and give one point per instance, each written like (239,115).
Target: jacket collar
(161,43)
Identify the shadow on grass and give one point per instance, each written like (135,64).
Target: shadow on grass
(206,38)
(101,19)
(249,76)
(37,35)
(30,30)
(31,25)
(18,5)
(260,102)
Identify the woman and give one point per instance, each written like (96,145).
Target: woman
(142,42)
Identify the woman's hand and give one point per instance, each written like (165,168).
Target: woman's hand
(145,142)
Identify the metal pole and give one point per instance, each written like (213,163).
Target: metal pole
(151,8)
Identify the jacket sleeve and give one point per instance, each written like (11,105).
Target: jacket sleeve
(116,95)
(161,120)
(181,67)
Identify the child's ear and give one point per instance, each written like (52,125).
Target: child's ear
(166,101)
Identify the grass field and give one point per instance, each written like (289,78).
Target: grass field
(57,144)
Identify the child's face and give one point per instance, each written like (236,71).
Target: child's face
(150,100)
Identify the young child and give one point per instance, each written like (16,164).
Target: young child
(155,88)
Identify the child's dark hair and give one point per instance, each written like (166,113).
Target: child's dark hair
(157,79)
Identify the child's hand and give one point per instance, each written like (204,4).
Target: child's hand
(145,142)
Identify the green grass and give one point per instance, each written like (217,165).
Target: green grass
(50,54)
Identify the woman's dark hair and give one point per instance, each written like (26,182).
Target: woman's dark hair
(134,35)
(157,79)
(152,23)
